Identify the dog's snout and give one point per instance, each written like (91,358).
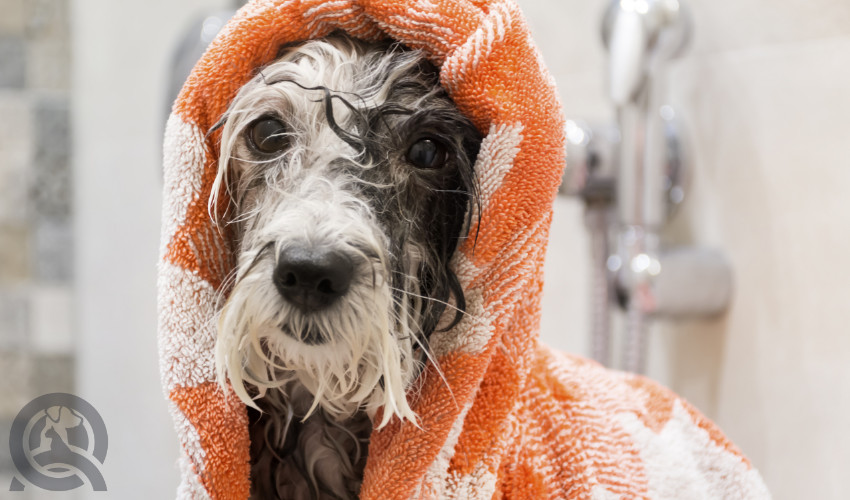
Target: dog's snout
(312,278)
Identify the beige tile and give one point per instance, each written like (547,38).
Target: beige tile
(52,373)
(14,202)
(14,387)
(15,125)
(14,254)
(12,20)
(14,317)
(15,156)
(49,65)
(48,20)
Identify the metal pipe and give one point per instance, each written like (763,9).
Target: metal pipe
(640,35)
(641,165)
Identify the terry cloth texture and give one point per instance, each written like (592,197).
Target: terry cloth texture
(510,418)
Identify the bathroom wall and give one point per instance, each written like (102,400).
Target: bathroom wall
(763,93)
(122,53)
(36,277)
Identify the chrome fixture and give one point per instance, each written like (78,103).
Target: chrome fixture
(632,176)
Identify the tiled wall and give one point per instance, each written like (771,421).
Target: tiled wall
(763,92)
(35,207)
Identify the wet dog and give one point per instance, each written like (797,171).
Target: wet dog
(349,172)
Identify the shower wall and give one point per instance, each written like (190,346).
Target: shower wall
(36,277)
(763,93)
(122,55)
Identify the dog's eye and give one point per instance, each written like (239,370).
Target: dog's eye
(268,135)
(427,153)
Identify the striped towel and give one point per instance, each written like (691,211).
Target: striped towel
(508,418)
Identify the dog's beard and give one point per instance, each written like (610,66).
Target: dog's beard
(363,357)
(344,180)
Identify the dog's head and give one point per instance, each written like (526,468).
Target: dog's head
(350,174)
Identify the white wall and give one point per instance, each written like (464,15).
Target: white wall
(764,94)
(121,52)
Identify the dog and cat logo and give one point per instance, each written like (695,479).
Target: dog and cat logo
(58,442)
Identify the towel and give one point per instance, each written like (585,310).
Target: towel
(507,417)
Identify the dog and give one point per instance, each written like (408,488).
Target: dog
(349,179)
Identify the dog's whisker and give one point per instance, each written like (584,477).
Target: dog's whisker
(431,299)
(452,191)
(264,161)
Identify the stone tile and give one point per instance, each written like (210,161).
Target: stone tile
(7,468)
(52,373)
(50,188)
(14,384)
(15,133)
(48,65)
(14,254)
(14,192)
(15,156)
(14,319)
(12,22)
(52,250)
(47,20)
(13,67)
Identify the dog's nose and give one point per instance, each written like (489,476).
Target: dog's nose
(312,278)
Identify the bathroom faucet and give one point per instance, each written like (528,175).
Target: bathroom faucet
(640,36)
(632,176)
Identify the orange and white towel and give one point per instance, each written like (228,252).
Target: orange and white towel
(510,418)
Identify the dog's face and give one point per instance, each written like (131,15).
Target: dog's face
(350,175)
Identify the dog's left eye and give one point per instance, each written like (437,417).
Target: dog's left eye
(268,135)
(427,153)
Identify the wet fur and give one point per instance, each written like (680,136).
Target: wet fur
(353,110)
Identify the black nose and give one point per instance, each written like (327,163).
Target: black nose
(312,278)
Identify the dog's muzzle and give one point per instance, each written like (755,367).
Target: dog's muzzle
(312,278)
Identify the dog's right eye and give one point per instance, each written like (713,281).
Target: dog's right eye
(268,135)
(427,154)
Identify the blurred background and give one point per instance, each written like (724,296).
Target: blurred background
(762,91)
